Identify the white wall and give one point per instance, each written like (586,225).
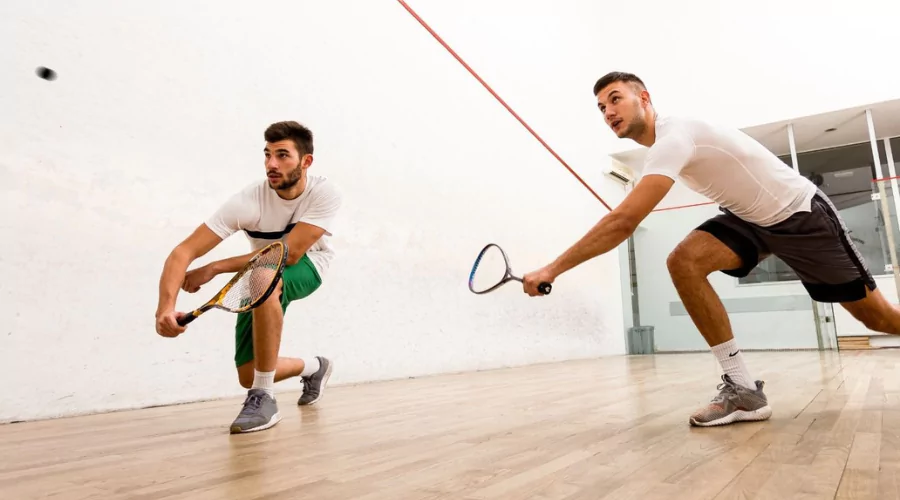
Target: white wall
(157,117)
(746,64)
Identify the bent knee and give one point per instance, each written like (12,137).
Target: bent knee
(699,255)
(274,298)
(683,263)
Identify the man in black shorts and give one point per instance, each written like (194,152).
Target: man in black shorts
(767,209)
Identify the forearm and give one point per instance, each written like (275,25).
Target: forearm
(606,235)
(232,264)
(172,277)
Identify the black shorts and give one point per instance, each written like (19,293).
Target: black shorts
(814,244)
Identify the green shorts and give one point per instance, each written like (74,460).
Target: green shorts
(298,281)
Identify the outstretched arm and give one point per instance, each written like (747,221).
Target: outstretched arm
(607,234)
(198,244)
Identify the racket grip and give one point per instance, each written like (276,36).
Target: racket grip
(544,288)
(187,318)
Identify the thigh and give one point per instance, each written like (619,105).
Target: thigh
(299,281)
(816,246)
(871,308)
(730,245)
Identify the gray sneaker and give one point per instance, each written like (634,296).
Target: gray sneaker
(734,403)
(314,385)
(260,412)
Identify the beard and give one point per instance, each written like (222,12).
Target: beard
(634,129)
(637,126)
(288,181)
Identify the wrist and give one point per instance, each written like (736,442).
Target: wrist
(214,268)
(555,268)
(163,309)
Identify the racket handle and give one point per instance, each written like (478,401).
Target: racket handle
(544,288)
(187,318)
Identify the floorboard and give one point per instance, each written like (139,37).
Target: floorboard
(611,428)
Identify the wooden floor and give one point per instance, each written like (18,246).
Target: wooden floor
(601,429)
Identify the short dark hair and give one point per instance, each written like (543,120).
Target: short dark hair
(299,134)
(617,76)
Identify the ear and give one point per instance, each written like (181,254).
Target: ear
(645,98)
(306,161)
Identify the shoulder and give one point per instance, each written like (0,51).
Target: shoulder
(678,127)
(237,211)
(702,133)
(248,197)
(246,201)
(323,188)
(675,133)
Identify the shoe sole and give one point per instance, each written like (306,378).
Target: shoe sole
(737,416)
(322,385)
(235,429)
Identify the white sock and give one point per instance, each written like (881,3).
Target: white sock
(310,366)
(732,361)
(264,381)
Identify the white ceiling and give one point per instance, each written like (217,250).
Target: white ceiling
(810,135)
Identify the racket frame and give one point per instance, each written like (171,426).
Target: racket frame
(216,301)
(543,287)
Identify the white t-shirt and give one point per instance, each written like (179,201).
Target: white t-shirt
(730,168)
(265,217)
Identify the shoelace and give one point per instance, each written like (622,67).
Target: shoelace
(253,402)
(726,390)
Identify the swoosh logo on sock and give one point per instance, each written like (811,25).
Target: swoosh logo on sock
(733,354)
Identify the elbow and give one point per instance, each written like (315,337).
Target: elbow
(623,225)
(294,257)
(181,253)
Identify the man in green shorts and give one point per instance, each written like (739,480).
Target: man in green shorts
(290,205)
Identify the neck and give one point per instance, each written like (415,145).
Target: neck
(648,136)
(294,191)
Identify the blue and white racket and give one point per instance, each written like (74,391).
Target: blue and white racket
(491,270)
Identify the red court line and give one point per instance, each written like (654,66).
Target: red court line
(684,206)
(489,89)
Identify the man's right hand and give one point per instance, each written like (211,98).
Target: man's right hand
(167,324)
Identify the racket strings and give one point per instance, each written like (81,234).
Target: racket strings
(489,269)
(253,284)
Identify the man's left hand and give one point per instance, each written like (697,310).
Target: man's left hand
(196,278)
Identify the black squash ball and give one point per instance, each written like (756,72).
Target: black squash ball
(46,73)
